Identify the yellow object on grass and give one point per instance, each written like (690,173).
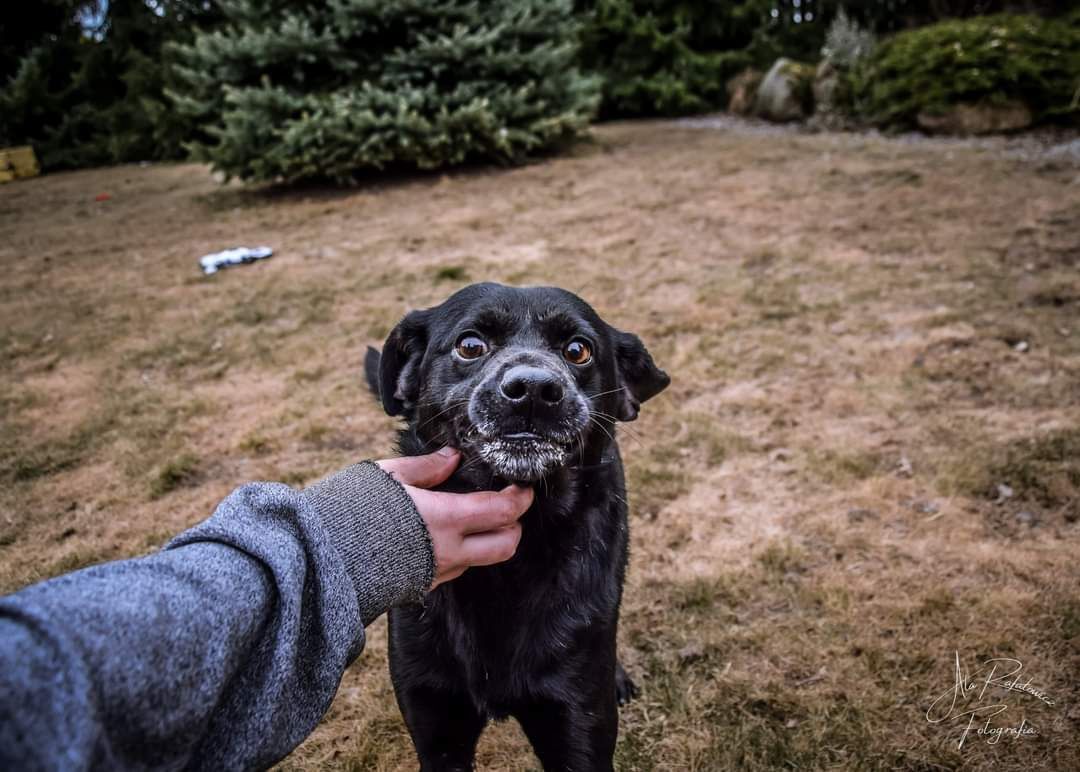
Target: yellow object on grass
(18,162)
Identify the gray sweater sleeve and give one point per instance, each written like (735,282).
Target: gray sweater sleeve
(223,650)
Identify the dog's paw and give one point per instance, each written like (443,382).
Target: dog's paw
(625,688)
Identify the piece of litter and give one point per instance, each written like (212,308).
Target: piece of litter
(237,256)
(1022,346)
(102,197)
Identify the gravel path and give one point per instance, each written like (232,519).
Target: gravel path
(1043,145)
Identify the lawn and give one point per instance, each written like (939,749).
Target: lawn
(867,465)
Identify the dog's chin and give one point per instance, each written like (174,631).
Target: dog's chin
(524,459)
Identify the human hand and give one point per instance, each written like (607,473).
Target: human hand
(467,529)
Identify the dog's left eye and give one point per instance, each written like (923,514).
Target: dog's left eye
(577,352)
(470,347)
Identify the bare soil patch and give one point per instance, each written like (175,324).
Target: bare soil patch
(869,459)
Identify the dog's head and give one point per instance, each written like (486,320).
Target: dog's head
(518,379)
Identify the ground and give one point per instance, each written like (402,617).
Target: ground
(867,465)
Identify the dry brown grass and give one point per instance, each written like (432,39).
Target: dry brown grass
(817,518)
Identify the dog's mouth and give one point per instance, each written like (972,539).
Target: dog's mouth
(521,456)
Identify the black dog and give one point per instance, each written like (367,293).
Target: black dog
(528,383)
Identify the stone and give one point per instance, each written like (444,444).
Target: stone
(830,97)
(786,92)
(826,85)
(967,119)
(742,90)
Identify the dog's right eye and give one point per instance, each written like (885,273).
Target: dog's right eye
(470,347)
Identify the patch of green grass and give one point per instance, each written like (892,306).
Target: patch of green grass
(179,472)
(180,350)
(298,477)
(451,273)
(653,485)
(143,424)
(780,558)
(701,436)
(15,399)
(22,463)
(316,434)
(838,467)
(257,445)
(1042,469)
(700,593)
(306,304)
(1070,619)
(313,375)
(80,558)
(761,260)
(716,444)
(938,601)
(40,461)
(776,300)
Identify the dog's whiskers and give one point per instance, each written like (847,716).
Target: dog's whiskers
(601,426)
(453,406)
(605,393)
(631,433)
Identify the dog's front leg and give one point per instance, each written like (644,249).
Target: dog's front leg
(577,736)
(444,728)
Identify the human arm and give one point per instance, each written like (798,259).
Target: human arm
(224,649)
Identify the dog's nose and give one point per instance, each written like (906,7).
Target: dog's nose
(524,383)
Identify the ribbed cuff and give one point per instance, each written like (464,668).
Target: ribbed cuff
(381,537)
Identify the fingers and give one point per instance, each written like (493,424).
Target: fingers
(485,549)
(473,513)
(422,471)
(466,529)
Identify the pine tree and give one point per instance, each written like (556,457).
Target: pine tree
(298,90)
(86,95)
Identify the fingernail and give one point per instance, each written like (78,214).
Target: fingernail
(447,451)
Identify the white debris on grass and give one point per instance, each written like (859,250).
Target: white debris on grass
(216,260)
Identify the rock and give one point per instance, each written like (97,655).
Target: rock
(830,95)
(691,652)
(741,91)
(786,92)
(826,84)
(1026,518)
(983,118)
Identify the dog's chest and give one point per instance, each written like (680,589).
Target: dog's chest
(507,626)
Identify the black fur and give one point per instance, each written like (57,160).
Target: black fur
(533,637)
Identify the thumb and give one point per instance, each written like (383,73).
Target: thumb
(422,471)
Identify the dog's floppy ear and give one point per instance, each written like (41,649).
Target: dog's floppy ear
(639,377)
(399,365)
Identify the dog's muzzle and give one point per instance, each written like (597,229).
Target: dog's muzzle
(527,417)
